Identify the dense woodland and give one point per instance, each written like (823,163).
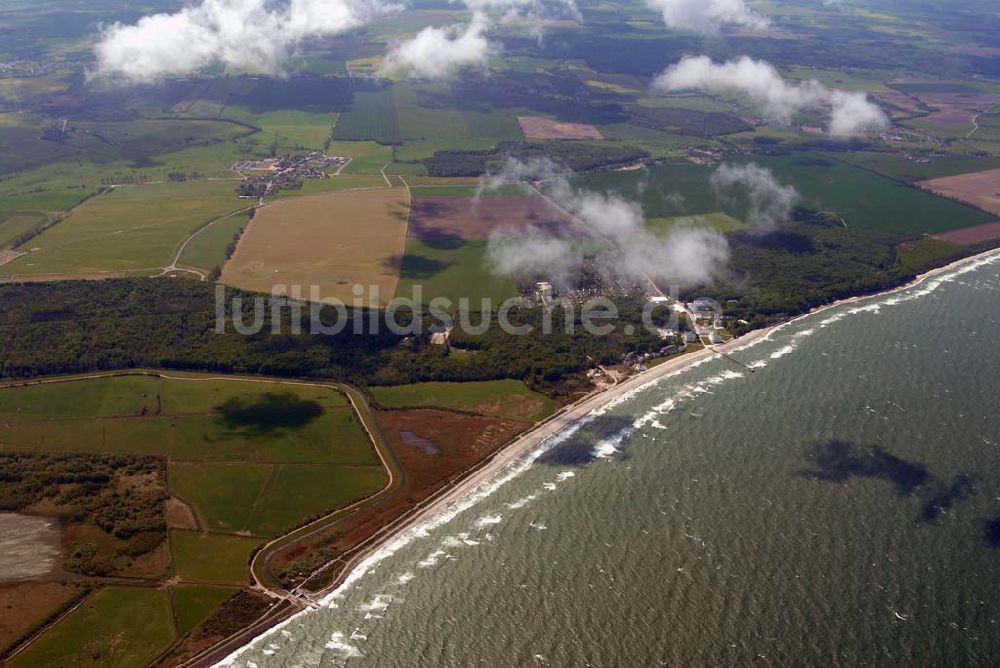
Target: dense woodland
(814,261)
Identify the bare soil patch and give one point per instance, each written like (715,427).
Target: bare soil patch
(26,606)
(439,219)
(980,189)
(179,515)
(968,236)
(956,109)
(534,127)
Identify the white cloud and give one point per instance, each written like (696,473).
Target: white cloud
(515,11)
(437,53)
(768,202)
(853,113)
(707,16)
(515,253)
(246,35)
(850,112)
(684,256)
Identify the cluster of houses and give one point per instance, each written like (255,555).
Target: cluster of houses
(285,173)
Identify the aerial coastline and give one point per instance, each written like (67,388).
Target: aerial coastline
(450,498)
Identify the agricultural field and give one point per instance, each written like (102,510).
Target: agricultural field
(372,116)
(209,557)
(207,250)
(193,604)
(980,189)
(534,127)
(250,460)
(453,270)
(25,606)
(22,214)
(446,250)
(367,157)
(132,229)
(117,626)
(332,184)
(862,198)
(718,221)
(867,201)
(239,453)
(500,398)
(936,167)
(334,241)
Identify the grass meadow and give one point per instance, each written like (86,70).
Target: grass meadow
(245,456)
(193,604)
(117,626)
(499,398)
(453,271)
(129,229)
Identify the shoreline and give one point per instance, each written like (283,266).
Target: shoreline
(529,441)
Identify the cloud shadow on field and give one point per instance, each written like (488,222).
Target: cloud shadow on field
(268,412)
(415,267)
(579,449)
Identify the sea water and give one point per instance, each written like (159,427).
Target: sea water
(831,506)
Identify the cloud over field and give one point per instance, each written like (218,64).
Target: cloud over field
(437,53)
(768,202)
(249,35)
(440,52)
(708,16)
(850,112)
(682,256)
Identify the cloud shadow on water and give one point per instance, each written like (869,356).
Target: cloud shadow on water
(945,498)
(839,461)
(991,532)
(579,449)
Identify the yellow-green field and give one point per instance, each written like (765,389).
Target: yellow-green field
(130,229)
(333,241)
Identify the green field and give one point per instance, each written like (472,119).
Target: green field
(373,116)
(194,604)
(212,557)
(208,249)
(900,168)
(367,157)
(869,201)
(22,213)
(864,199)
(420,113)
(474,397)
(718,221)
(118,626)
(468,191)
(133,228)
(453,272)
(334,184)
(247,456)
